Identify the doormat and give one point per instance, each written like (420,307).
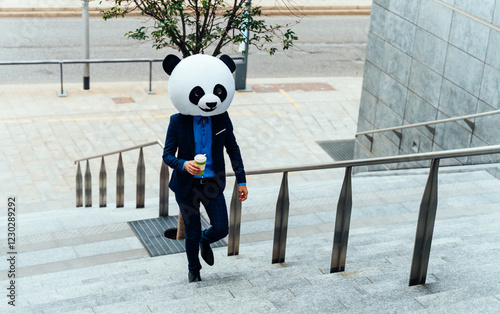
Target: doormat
(151,234)
(339,150)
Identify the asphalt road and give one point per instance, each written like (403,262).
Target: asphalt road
(327,46)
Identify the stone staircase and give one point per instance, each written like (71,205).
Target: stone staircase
(87,261)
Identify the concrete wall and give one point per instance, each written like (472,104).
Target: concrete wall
(428,60)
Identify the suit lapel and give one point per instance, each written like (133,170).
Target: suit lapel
(215,126)
(218,125)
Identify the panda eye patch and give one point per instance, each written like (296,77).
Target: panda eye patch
(220,91)
(196,94)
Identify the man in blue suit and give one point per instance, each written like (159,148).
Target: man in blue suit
(202,127)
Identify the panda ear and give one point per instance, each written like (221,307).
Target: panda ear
(170,62)
(229,62)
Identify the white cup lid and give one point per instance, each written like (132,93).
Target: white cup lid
(200,158)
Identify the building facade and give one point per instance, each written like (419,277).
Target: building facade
(429,60)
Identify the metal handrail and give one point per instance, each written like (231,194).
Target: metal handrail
(157,142)
(84,183)
(407,126)
(425,224)
(426,218)
(62,93)
(464,152)
(79,61)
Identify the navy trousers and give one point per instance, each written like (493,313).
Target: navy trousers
(213,200)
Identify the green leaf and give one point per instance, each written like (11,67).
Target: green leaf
(192,26)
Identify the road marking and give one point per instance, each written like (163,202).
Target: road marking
(291,100)
(16,121)
(123,117)
(253,113)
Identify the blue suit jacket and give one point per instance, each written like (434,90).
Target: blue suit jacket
(180,139)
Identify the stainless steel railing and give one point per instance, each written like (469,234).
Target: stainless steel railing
(62,93)
(426,218)
(396,129)
(84,183)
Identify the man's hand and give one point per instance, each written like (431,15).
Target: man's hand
(243,192)
(191,167)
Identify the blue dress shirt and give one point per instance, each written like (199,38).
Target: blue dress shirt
(202,128)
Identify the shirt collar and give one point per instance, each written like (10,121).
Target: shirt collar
(198,119)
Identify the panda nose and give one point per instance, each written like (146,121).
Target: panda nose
(211,104)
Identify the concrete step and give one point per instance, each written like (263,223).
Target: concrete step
(464,254)
(462,296)
(305,198)
(89,244)
(488,304)
(377,275)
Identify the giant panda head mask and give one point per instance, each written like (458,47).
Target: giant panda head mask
(200,85)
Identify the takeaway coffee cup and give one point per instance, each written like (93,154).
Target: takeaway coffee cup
(201,160)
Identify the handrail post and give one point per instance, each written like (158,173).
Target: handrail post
(233,243)
(425,227)
(471,124)
(281,222)
(342,224)
(399,134)
(88,186)
(150,90)
(120,183)
(164,176)
(103,185)
(79,186)
(141,181)
(61,93)
(370,138)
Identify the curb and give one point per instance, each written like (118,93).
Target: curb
(266,11)
(311,10)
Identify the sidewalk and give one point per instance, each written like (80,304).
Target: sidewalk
(42,134)
(64,8)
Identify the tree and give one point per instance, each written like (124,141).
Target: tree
(192,26)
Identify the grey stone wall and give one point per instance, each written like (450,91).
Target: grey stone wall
(429,60)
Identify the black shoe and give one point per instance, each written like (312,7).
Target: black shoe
(207,254)
(194,277)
